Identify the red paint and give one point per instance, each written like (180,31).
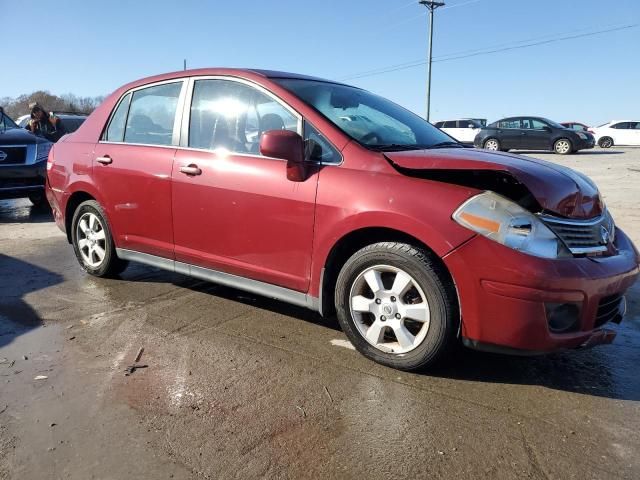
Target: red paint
(264,219)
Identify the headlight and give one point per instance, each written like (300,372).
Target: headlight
(582,136)
(42,151)
(506,222)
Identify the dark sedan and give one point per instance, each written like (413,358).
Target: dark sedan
(532,133)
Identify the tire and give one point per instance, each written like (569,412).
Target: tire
(492,144)
(361,313)
(89,224)
(563,146)
(39,200)
(605,142)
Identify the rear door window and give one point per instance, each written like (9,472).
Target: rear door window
(510,123)
(450,124)
(152,115)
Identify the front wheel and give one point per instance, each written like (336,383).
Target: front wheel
(563,147)
(492,144)
(93,243)
(397,305)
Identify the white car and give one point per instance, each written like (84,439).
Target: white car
(618,132)
(23,120)
(463,130)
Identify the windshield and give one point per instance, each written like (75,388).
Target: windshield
(6,123)
(372,121)
(553,124)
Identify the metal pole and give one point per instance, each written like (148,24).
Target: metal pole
(429,63)
(431,5)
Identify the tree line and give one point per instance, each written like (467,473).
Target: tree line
(15,107)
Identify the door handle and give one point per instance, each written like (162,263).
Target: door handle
(106,160)
(191,169)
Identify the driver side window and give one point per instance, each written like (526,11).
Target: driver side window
(537,124)
(233,116)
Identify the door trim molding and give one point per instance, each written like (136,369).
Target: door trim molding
(254,286)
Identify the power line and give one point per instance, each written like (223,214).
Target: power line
(423,14)
(479,52)
(544,42)
(460,4)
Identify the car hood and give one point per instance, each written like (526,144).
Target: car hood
(14,136)
(557,189)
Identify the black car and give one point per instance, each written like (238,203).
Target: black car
(70,121)
(532,133)
(23,162)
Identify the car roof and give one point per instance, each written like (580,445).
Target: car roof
(240,72)
(618,121)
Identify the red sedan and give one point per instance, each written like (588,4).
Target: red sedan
(329,197)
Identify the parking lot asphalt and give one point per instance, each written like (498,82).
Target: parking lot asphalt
(239,386)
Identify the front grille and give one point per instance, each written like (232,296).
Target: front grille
(583,236)
(609,310)
(12,155)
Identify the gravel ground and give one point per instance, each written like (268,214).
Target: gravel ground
(238,386)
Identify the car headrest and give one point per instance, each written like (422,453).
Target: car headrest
(271,121)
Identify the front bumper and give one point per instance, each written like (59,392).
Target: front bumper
(590,142)
(17,181)
(504,293)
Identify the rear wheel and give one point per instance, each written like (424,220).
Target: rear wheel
(93,243)
(563,147)
(397,306)
(492,144)
(605,142)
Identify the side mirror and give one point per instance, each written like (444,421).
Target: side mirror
(288,146)
(471,125)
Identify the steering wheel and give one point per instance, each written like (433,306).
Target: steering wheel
(370,136)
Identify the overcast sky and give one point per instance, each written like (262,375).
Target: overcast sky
(91,48)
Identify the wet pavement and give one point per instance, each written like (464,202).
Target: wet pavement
(238,386)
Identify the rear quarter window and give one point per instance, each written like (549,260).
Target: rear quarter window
(115,131)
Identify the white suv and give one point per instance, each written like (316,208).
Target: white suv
(618,132)
(464,130)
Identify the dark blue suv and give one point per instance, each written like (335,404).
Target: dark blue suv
(23,162)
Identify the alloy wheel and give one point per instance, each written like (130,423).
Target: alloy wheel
(91,239)
(563,146)
(389,309)
(492,144)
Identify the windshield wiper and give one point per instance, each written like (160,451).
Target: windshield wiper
(445,145)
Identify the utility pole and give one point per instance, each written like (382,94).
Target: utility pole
(184,65)
(431,5)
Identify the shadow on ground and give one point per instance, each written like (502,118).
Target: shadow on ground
(17,279)
(23,211)
(138,272)
(606,371)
